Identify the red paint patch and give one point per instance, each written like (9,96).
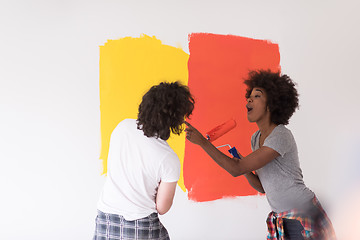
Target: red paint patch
(218,65)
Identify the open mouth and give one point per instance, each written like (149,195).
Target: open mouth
(249,109)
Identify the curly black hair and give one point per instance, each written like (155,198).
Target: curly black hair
(164,108)
(282,96)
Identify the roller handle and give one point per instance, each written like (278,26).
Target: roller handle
(234,153)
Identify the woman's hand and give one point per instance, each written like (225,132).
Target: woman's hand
(193,135)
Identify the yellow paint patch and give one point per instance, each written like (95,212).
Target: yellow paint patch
(128,68)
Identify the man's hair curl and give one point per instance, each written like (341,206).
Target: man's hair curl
(163,110)
(282,96)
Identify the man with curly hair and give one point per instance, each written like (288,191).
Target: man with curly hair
(142,168)
(296,213)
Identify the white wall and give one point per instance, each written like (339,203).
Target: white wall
(49,100)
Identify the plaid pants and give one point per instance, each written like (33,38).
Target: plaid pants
(115,227)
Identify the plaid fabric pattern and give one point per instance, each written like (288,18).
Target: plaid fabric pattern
(317,225)
(115,227)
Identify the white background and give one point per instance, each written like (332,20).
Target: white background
(50,175)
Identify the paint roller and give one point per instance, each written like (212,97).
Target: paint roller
(219,131)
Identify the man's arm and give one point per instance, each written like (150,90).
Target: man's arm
(164,197)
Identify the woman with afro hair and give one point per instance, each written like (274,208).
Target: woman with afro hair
(273,167)
(142,168)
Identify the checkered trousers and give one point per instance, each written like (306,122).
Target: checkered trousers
(115,227)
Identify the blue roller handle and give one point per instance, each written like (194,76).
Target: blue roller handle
(234,153)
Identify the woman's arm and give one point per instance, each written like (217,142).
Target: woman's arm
(164,197)
(254,181)
(253,161)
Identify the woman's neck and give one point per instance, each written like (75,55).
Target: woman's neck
(266,128)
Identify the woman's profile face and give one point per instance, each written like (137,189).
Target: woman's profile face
(257,105)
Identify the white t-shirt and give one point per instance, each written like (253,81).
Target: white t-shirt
(136,165)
